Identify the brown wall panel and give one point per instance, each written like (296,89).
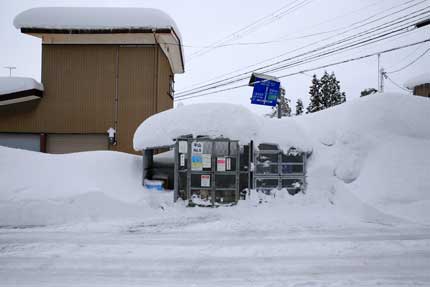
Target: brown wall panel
(136,92)
(79,83)
(80,86)
(164,100)
(422,90)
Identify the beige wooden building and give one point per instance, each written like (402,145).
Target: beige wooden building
(102,68)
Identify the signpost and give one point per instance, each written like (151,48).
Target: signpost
(266,90)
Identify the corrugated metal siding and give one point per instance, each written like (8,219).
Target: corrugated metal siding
(164,100)
(422,90)
(136,92)
(21,141)
(79,85)
(67,143)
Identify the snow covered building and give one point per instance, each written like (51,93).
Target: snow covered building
(102,69)
(420,85)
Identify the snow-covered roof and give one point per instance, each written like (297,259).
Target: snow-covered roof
(10,85)
(97,18)
(218,120)
(105,25)
(417,80)
(19,89)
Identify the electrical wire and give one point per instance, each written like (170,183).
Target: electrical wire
(411,63)
(310,45)
(395,84)
(264,21)
(358,43)
(314,68)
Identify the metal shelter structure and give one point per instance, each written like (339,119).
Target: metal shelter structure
(207,171)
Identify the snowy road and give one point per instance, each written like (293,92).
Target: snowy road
(150,256)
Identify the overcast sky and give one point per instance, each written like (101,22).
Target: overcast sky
(203,22)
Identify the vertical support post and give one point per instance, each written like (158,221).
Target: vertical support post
(213,173)
(379,72)
(188,186)
(42,142)
(176,172)
(250,164)
(148,163)
(381,85)
(237,196)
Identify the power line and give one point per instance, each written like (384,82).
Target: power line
(395,84)
(266,20)
(272,67)
(411,63)
(328,45)
(315,68)
(331,19)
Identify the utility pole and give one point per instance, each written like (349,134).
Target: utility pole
(10,69)
(379,71)
(381,77)
(279,101)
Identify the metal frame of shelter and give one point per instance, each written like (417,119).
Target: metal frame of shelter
(207,171)
(274,169)
(212,172)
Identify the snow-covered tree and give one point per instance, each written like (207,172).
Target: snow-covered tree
(315,103)
(325,93)
(284,105)
(299,107)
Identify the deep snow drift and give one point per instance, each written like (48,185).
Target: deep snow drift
(369,164)
(355,226)
(39,189)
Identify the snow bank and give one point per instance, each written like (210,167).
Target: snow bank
(417,80)
(376,147)
(39,189)
(369,165)
(218,120)
(87,18)
(18,84)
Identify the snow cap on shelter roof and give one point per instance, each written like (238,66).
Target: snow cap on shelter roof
(417,80)
(218,120)
(95,18)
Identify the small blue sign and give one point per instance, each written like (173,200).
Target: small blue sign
(266,92)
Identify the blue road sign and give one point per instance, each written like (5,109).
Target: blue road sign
(266,92)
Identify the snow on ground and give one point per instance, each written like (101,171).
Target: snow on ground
(10,85)
(417,80)
(40,189)
(364,220)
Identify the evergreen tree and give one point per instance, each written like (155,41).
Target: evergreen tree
(299,107)
(284,105)
(330,90)
(315,103)
(325,93)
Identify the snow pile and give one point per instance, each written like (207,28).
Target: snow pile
(218,120)
(375,149)
(10,85)
(37,188)
(417,80)
(369,164)
(88,18)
